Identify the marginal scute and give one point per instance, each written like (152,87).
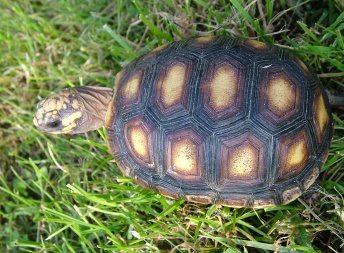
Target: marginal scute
(152,54)
(172,193)
(302,65)
(110,116)
(113,142)
(124,166)
(293,154)
(311,177)
(185,158)
(204,40)
(138,139)
(320,115)
(141,182)
(235,200)
(279,97)
(264,202)
(242,160)
(291,194)
(200,199)
(256,46)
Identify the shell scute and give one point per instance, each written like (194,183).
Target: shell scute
(171,87)
(222,88)
(131,92)
(294,154)
(185,156)
(280,97)
(242,160)
(138,136)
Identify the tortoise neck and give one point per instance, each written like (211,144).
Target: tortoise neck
(336,100)
(95,101)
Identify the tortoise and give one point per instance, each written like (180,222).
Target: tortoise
(221,120)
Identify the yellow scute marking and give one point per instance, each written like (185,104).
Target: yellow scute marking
(131,88)
(243,162)
(297,153)
(322,116)
(204,39)
(173,85)
(139,141)
(257,44)
(280,95)
(70,120)
(223,87)
(184,156)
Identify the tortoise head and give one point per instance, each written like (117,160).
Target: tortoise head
(73,110)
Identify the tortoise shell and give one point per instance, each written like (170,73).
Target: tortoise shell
(220,120)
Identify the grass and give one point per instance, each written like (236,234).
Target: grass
(65,194)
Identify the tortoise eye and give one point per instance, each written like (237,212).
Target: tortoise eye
(53,124)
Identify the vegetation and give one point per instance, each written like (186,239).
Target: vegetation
(65,193)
